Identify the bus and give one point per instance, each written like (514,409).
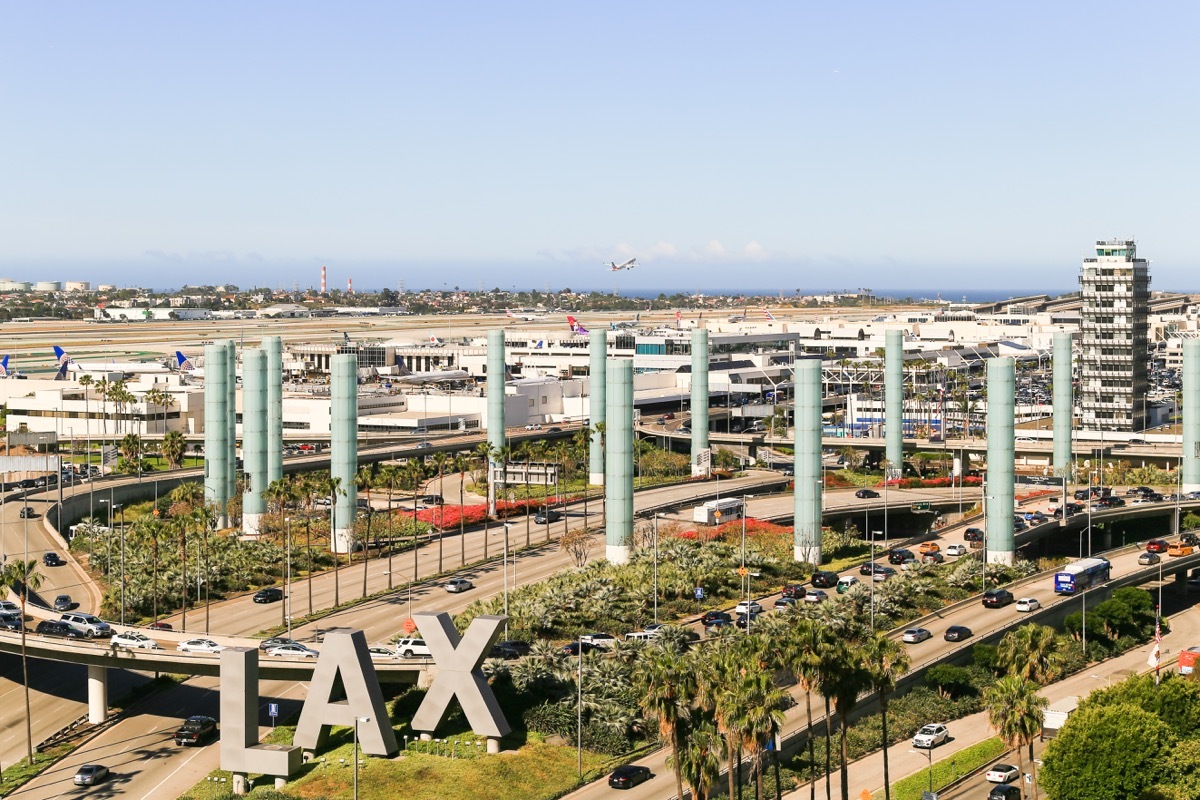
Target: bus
(1081,575)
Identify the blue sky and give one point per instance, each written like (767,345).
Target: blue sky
(773,146)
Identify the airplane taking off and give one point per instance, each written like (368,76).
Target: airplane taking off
(525,317)
(128,367)
(615,267)
(576,327)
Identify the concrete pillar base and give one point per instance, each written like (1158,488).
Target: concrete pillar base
(426,737)
(617,553)
(222,521)
(1190,487)
(239,783)
(280,782)
(97,682)
(810,555)
(342,541)
(252,524)
(1005,557)
(596,478)
(493,746)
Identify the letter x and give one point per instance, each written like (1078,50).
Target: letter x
(458,661)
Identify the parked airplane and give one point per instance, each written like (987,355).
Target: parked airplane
(4,367)
(739,317)
(767,313)
(183,363)
(576,327)
(128,367)
(615,267)
(522,316)
(433,376)
(627,323)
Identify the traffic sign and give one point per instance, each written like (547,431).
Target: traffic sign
(923,505)
(272,710)
(743,571)
(699,592)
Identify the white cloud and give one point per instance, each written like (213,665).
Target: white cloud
(754,250)
(715,249)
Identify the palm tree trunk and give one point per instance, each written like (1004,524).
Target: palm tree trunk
(845,770)
(828,752)
(183,574)
(308,544)
(758,774)
(883,708)
(367,545)
(812,756)
(675,762)
(733,767)
(25,672)
(462,526)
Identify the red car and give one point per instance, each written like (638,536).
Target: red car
(1156,546)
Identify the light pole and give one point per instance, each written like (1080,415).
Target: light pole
(113,509)
(655,567)
(507,525)
(287,582)
(579,711)
(356,721)
(929,755)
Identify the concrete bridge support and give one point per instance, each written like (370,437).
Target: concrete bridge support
(1001,383)
(618,463)
(699,402)
(495,408)
(1063,403)
(274,347)
(254,439)
(97,684)
(597,403)
(893,401)
(216,464)
(343,449)
(806,541)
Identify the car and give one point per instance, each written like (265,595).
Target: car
(296,650)
(199,646)
(605,640)
(575,648)
(269,595)
(52,559)
(1035,518)
(845,582)
(973,535)
(1071,510)
(882,574)
(866,494)
(929,547)
(381,653)
(748,607)
(823,579)
(456,585)
(546,517)
(90,774)
(714,616)
(134,640)
(931,736)
(957,633)
(784,603)
(1180,549)
(1138,491)
(28,513)
(9,607)
(898,555)
(57,628)
(196,731)
(815,596)
(424,446)
(533,426)
(744,621)
(516,645)
(956,550)
(1187,537)
(1027,604)
(160,626)
(932,558)
(413,648)
(1005,791)
(997,598)
(1157,546)
(628,776)
(794,591)
(1019,525)
(275,641)
(88,624)
(1001,773)
(869,568)
(915,635)
(11,622)
(1147,559)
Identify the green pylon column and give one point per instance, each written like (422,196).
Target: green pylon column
(807,471)
(700,402)
(274,347)
(1064,404)
(597,371)
(618,463)
(495,408)
(1191,415)
(231,416)
(254,439)
(893,400)
(343,452)
(216,431)
(1001,401)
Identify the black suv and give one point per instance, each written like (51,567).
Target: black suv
(794,591)
(195,731)
(866,494)
(1187,537)
(900,555)
(268,595)
(1071,508)
(715,616)
(973,535)
(997,598)
(52,560)
(10,622)
(825,580)
(53,627)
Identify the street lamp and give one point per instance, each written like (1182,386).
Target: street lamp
(507,525)
(356,721)
(929,755)
(287,582)
(115,507)
(745,575)
(656,567)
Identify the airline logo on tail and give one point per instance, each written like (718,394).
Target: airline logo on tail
(767,313)
(62,356)
(576,327)
(183,363)
(435,341)
(61,375)
(4,367)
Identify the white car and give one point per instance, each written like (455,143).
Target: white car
(200,646)
(413,648)
(1001,773)
(1028,604)
(293,650)
(605,640)
(533,426)
(931,736)
(381,653)
(458,585)
(956,550)
(9,607)
(134,639)
(748,607)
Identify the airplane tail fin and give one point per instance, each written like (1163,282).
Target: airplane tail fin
(183,363)
(575,326)
(62,356)
(767,313)
(433,340)
(509,313)
(678,324)
(4,367)
(61,375)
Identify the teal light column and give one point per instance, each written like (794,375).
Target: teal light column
(700,402)
(893,400)
(1001,399)
(495,408)
(216,431)
(1191,415)
(231,417)
(343,451)
(254,439)
(618,463)
(274,347)
(1064,404)
(597,370)
(807,496)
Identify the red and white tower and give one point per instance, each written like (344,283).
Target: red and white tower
(322,280)
(349,285)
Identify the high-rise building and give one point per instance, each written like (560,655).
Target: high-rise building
(1115,287)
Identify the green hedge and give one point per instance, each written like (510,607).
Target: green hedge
(948,769)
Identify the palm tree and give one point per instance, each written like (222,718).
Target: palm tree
(278,494)
(849,680)
(173,447)
(86,382)
(665,685)
(388,474)
(25,575)
(885,660)
(1032,652)
(802,654)
(414,473)
(460,465)
(102,387)
(151,528)
(364,480)
(131,450)
(440,460)
(1015,710)
(483,453)
(700,755)
(332,486)
(526,451)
